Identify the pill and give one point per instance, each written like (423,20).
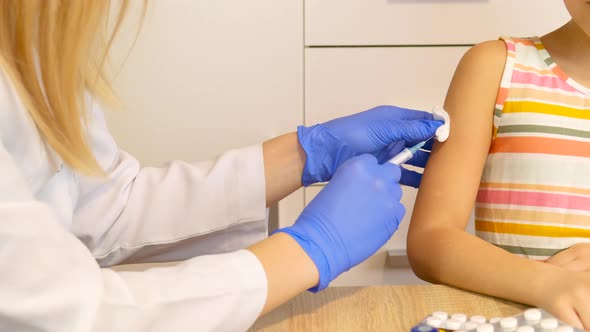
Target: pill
(549,324)
(453,324)
(485,328)
(565,328)
(494,320)
(532,315)
(509,323)
(460,317)
(478,319)
(527,328)
(434,321)
(470,326)
(441,314)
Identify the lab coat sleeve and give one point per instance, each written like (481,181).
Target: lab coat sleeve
(51,282)
(174,212)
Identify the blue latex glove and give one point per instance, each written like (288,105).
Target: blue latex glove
(351,218)
(382,131)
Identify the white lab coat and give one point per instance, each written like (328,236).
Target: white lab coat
(59,231)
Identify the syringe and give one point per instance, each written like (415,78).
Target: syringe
(407,153)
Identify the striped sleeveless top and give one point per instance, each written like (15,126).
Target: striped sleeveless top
(534,196)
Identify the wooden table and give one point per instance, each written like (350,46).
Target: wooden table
(378,308)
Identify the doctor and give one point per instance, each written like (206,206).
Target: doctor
(72,203)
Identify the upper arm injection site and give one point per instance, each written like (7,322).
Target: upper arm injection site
(442,133)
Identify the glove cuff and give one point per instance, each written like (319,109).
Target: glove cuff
(317,256)
(324,153)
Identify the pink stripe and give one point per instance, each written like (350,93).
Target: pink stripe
(510,46)
(545,81)
(563,201)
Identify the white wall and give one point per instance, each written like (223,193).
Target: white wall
(207,76)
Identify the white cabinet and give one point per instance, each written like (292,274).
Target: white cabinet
(208,76)
(427,22)
(342,81)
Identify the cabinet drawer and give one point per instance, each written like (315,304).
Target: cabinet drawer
(395,22)
(345,81)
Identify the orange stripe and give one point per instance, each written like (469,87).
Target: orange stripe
(523,41)
(541,145)
(548,96)
(560,73)
(537,187)
(533,69)
(493,214)
(529,230)
(502,93)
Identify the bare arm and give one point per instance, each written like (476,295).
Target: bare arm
(438,247)
(289,270)
(283,165)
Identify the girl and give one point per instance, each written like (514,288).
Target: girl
(519,149)
(72,203)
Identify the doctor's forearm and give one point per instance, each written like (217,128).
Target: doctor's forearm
(283,165)
(289,270)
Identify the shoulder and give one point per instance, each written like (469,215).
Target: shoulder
(485,58)
(475,86)
(481,68)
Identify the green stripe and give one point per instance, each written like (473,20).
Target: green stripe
(498,112)
(529,251)
(544,129)
(549,61)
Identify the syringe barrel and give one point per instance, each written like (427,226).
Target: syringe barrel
(402,157)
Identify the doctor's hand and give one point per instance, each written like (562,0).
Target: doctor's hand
(382,132)
(351,218)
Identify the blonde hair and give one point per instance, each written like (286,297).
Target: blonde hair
(54,52)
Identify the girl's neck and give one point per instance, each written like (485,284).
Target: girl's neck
(569,47)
